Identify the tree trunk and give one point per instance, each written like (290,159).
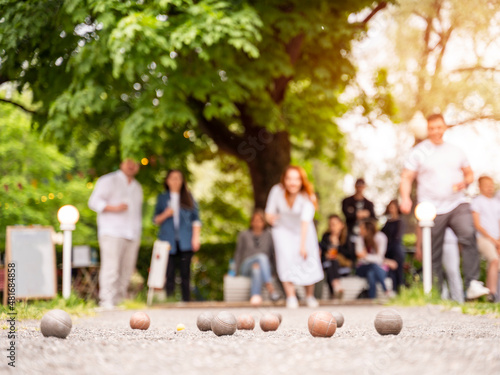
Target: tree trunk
(266,154)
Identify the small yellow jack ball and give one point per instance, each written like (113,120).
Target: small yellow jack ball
(180,327)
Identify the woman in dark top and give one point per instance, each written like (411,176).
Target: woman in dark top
(176,214)
(254,255)
(394,230)
(333,243)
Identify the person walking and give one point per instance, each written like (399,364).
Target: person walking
(443,173)
(453,288)
(117,199)
(290,210)
(176,213)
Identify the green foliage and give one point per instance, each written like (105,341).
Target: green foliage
(209,268)
(409,240)
(36,180)
(133,77)
(226,208)
(452,61)
(144,260)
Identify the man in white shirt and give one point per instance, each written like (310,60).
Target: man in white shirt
(117,199)
(486,214)
(443,173)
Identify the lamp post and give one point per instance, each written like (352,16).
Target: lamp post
(425,213)
(68,216)
(418,126)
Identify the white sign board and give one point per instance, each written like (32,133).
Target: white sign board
(32,251)
(159,261)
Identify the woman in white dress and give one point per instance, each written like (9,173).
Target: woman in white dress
(290,210)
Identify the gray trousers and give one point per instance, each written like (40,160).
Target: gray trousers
(118,259)
(451,263)
(460,221)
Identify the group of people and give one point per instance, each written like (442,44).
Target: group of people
(117,199)
(291,244)
(443,173)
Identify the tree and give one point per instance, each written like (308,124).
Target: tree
(253,77)
(453,65)
(432,56)
(36,180)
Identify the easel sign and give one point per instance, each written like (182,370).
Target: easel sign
(158,269)
(33,254)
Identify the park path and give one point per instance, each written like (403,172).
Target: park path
(431,342)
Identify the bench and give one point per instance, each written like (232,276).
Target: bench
(237,288)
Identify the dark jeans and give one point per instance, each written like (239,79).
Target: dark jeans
(460,221)
(373,273)
(396,253)
(181,261)
(331,268)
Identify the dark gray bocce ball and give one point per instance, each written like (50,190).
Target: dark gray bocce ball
(224,323)
(388,322)
(204,321)
(56,323)
(339,318)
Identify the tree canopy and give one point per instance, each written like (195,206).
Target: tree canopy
(164,78)
(453,65)
(35,179)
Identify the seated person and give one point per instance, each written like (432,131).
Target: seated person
(334,250)
(486,216)
(371,247)
(254,252)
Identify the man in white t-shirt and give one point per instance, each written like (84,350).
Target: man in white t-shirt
(486,214)
(443,173)
(117,199)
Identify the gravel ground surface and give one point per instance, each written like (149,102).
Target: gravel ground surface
(431,342)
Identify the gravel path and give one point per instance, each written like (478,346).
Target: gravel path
(431,342)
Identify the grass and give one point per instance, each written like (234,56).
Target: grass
(415,296)
(75,306)
(35,309)
(138,303)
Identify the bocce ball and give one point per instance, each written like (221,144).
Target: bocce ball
(180,327)
(224,323)
(269,322)
(322,324)
(140,320)
(278,315)
(246,321)
(56,323)
(339,318)
(204,321)
(388,322)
